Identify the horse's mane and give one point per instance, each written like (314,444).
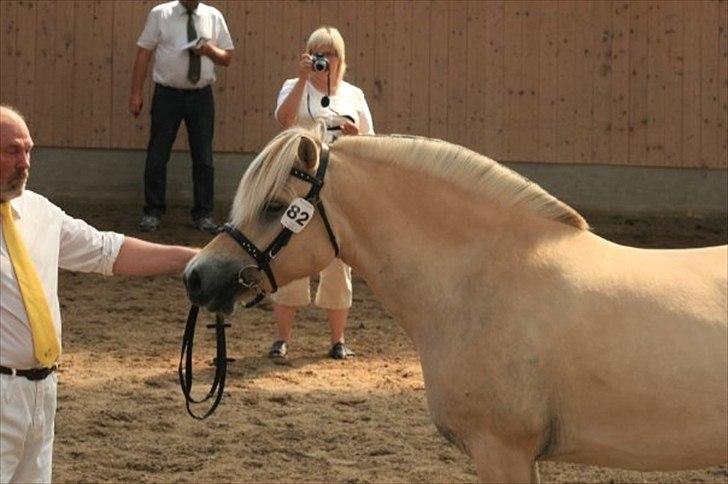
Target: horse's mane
(468,169)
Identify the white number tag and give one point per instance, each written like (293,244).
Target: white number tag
(297,215)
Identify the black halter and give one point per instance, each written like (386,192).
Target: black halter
(263,258)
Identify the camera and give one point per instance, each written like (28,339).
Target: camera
(320,63)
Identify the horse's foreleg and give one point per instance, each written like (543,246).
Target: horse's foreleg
(499,462)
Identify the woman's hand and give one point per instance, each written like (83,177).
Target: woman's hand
(305,66)
(349,128)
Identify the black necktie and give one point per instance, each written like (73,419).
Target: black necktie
(193,71)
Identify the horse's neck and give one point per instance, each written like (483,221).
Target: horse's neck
(416,238)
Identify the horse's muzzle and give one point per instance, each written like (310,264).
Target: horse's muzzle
(213,285)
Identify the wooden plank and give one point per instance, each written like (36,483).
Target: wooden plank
(310,19)
(476,75)
(45,95)
(100,85)
(82,114)
(124,52)
(420,78)
(548,91)
(382,98)
(402,68)
(530,41)
(690,92)
(582,76)
(255,13)
(494,81)
(722,161)
(329,13)
(219,91)
(657,67)
(364,56)
(232,132)
(567,80)
(457,45)
(438,69)
(601,43)
(63,52)
(710,154)
(347,25)
(513,77)
(639,54)
(7,53)
(25,62)
(619,139)
(673,31)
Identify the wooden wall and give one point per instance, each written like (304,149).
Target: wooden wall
(615,82)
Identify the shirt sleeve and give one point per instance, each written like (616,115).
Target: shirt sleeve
(365,116)
(283,94)
(224,41)
(152,32)
(86,249)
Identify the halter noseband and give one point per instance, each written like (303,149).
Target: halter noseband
(263,258)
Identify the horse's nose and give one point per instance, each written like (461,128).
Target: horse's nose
(193,283)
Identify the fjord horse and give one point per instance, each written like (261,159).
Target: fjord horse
(538,339)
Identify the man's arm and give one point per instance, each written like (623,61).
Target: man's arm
(219,56)
(141,258)
(138,75)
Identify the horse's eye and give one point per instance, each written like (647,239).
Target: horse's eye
(273,209)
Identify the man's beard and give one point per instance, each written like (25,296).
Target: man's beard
(14,187)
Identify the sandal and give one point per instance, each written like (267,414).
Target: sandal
(278,349)
(340,351)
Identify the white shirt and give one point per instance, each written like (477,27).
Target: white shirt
(166,32)
(349,100)
(54,240)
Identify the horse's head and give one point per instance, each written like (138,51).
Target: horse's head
(277,232)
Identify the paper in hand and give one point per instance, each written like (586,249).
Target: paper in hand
(194,44)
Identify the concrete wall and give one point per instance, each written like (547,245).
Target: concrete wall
(117,174)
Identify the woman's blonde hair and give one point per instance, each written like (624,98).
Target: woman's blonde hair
(330,37)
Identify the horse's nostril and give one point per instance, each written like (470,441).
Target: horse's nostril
(193,282)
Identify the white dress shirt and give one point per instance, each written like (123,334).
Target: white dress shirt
(349,100)
(54,240)
(166,32)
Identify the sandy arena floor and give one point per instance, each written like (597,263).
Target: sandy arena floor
(121,415)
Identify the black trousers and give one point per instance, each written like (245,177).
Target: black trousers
(169,107)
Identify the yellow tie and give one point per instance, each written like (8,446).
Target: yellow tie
(46,345)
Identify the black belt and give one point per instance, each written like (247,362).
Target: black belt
(34,374)
(184,91)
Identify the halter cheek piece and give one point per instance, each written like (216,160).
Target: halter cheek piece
(263,257)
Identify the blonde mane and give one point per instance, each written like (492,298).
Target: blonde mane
(466,168)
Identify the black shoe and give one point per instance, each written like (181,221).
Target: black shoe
(278,350)
(340,351)
(206,224)
(149,223)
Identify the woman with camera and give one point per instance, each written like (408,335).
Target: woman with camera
(320,93)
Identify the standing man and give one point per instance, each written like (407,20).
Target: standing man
(36,238)
(187,38)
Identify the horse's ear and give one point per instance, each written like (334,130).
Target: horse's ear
(307,152)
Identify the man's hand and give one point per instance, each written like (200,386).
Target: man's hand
(219,56)
(135,104)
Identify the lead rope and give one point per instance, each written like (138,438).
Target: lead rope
(185,363)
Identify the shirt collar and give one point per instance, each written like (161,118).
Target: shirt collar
(15,207)
(182,10)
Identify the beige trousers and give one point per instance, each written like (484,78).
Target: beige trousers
(26,428)
(334,289)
